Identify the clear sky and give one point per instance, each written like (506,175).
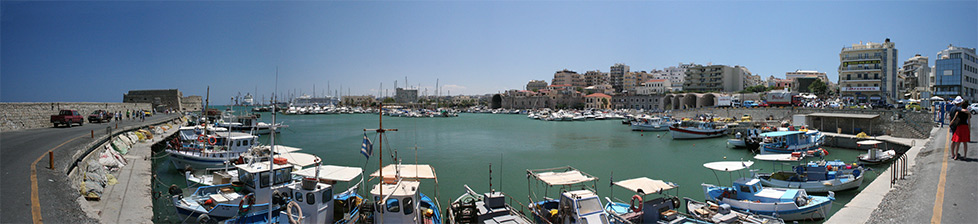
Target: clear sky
(96,51)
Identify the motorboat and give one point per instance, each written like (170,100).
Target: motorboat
(874,154)
(745,140)
(791,141)
(397,199)
(816,177)
(487,208)
(713,212)
(748,195)
(251,196)
(664,209)
(577,202)
(211,150)
(652,124)
(697,130)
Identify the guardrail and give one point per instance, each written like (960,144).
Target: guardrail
(898,169)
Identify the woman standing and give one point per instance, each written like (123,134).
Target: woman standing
(961,134)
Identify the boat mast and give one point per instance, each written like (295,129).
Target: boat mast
(380,132)
(272,149)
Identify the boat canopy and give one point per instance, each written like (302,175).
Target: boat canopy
(781,133)
(645,185)
(567,177)
(777,157)
(299,159)
(869,142)
(729,165)
(331,172)
(409,171)
(260,167)
(280,149)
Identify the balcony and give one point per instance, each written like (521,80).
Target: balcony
(860,58)
(864,69)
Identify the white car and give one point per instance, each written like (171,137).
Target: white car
(973,108)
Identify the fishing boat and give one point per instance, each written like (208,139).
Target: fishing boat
(652,124)
(874,154)
(657,210)
(697,130)
(712,212)
(399,196)
(742,140)
(577,202)
(211,150)
(748,195)
(816,177)
(247,123)
(487,208)
(252,197)
(791,141)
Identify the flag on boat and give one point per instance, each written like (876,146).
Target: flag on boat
(366,148)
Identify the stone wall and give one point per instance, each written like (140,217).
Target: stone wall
(896,123)
(17,116)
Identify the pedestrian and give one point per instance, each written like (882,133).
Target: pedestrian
(142,116)
(127,114)
(961,133)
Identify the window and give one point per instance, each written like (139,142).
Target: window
(282,176)
(264,179)
(949,72)
(408,206)
(247,179)
(310,198)
(393,206)
(327,195)
(298,196)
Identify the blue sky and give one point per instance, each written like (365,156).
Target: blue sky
(96,51)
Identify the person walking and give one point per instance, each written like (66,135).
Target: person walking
(961,131)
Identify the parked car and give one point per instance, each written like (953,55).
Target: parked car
(67,117)
(99,116)
(973,108)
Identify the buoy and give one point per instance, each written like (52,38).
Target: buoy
(724,157)
(643,134)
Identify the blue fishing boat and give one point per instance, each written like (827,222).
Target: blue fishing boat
(817,177)
(656,210)
(577,202)
(791,141)
(748,195)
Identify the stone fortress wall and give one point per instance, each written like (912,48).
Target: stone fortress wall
(17,116)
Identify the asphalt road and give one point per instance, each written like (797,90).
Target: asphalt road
(20,148)
(914,200)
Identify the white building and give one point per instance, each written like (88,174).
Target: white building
(956,72)
(868,72)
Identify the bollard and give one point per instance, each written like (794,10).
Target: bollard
(93,133)
(51,160)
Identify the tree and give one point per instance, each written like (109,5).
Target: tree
(818,87)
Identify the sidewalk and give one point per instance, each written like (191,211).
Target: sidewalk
(130,200)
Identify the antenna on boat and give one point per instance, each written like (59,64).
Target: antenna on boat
(490,178)
(271,148)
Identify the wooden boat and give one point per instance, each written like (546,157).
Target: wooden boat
(488,208)
(663,209)
(547,210)
(874,154)
(747,195)
(712,212)
(816,177)
(791,141)
(697,130)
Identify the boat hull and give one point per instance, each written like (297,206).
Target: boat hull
(737,143)
(183,159)
(695,133)
(646,127)
(838,184)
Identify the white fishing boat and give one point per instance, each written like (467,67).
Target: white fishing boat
(646,123)
(587,209)
(874,154)
(211,151)
(697,130)
(791,141)
(662,209)
(748,195)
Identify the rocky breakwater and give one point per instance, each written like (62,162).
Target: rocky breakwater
(17,116)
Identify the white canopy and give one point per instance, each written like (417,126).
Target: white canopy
(299,159)
(936,98)
(403,188)
(645,185)
(331,172)
(410,171)
(869,142)
(564,178)
(729,165)
(280,149)
(777,157)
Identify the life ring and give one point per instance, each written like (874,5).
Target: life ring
(250,200)
(201,138)
(725,194)
(640,204)
(212,140)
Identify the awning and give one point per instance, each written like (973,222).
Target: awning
(729,165)
(841,115)
(645,185)
(403,188)
(331,172)
(568,177)
(410,171)
(299,159)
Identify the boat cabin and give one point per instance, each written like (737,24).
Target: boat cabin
(315,200)
(240,142)
(398,202)
(582,206)
(255,179)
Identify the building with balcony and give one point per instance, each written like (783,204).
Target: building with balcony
(653,86)
(914,77)
(594,78)
(868,72)
(568,77)
(716,78)
(597,101)
(809,74)
(675,74)
(618,76)
(956,73)
(535,85)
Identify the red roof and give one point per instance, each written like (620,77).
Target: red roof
(602,95)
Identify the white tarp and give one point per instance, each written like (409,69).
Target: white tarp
(299,159)
(869,142)
(777,157)
(645,185)
(331,172)
(728,165)
(410,171)
(564,178)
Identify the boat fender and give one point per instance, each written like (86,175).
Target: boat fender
(640,204)
(294,212)
(201,138)
(429,213)
(212,140)
(675,202)
(174,190)
(203,218)
(246,203)
(209,201)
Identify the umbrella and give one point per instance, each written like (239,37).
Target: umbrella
(936,98)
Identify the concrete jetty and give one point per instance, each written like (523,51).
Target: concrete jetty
(130,200)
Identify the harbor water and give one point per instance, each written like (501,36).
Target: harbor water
(462,149)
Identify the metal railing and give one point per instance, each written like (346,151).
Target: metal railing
(898,169)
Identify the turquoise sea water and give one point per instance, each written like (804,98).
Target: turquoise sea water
(462,148)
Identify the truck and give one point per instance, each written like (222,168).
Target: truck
(782,98)
(724,101)
(67,117)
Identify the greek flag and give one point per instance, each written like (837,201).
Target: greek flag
(366,148)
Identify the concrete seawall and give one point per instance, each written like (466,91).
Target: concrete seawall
(897,123)
(17,116)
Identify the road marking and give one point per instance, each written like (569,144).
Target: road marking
(939,200)
(35,202)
